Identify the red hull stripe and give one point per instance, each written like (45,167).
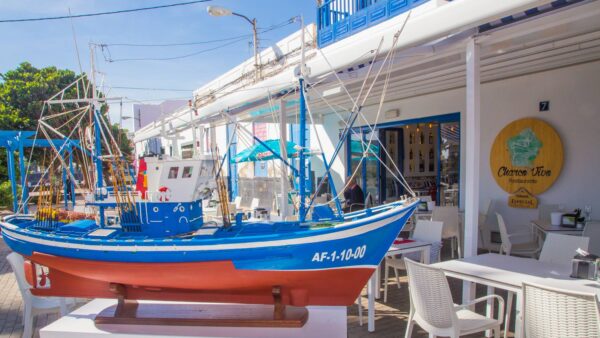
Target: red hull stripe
(205,282)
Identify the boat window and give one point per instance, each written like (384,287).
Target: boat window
(187,172)
(173,171)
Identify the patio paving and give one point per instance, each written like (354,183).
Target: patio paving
(390,317)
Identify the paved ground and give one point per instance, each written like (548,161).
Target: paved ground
(390,316)
(11,305)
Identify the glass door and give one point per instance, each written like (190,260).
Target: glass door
(393,141)
(449,163)
(365,169)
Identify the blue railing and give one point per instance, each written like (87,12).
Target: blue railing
(338,19)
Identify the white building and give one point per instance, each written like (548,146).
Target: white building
(146,114)
(461,71)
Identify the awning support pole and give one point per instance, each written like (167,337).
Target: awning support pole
(472,148)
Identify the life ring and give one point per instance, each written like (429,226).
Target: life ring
(165,194)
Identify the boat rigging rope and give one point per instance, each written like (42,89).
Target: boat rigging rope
(389,56)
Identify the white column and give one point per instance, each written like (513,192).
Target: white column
(284,171)
(213,137)
(473,139)
(201,137)
(194,142)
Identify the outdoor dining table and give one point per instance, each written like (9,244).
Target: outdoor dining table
(509,273)
(543,227)
(373,287)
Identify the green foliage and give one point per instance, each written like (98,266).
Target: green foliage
(6,197)
(24,90)
(120,136)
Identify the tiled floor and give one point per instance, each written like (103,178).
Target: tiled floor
(390,316)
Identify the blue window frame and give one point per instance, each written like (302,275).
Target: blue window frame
(381,177)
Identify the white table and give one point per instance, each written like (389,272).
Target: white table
(323,321)
(509,273)
(373,287)
(546,227)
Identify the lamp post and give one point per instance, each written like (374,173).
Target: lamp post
(221,11)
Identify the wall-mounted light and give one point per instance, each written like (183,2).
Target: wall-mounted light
(392,114)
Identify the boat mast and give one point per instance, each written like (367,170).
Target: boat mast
(302,168)
(97,136)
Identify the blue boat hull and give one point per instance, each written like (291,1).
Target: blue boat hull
(229,265)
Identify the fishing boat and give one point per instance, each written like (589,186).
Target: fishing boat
(153,242)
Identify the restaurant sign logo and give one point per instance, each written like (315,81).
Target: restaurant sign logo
(526,159)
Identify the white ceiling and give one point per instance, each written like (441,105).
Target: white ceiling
(553,40)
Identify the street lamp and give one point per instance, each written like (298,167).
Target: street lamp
(221,11)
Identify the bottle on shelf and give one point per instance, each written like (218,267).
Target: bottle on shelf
(410,154)
(421,138)
(410,138)
(431,160)
(430,137)
(421,162)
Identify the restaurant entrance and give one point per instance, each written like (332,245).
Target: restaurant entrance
(425,150)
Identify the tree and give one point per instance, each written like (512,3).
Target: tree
(24,90)
(22,95)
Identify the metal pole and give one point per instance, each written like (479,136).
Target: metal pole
(64,180)
(24,188)
(11,175)
(283,207)
(72,177)
(302,169)
(98,161)
(257,72)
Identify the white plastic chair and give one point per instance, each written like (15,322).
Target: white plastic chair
(449,216)
(544,211)
(560,249)
(431,306)
(592,231)
(427,231)
(34,305)
(369,200)
(554,313)
(521,244)
(238,203)
(254,204)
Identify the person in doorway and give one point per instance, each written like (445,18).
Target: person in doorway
(355,198)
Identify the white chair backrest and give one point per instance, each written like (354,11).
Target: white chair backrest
(449,216)
(503,232)
(592,231)
(16,262)
(430,294)
(320,200)
(426,198)
(550,312)
(544,211)
(429,231)
(560,249)
(255,203)
(238,202)
(369,200)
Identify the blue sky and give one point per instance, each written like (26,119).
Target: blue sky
(51,43)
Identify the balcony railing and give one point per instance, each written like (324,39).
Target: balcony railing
(338,19)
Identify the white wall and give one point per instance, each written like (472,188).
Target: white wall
(574,95)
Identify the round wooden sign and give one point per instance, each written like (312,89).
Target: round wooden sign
(527,154)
